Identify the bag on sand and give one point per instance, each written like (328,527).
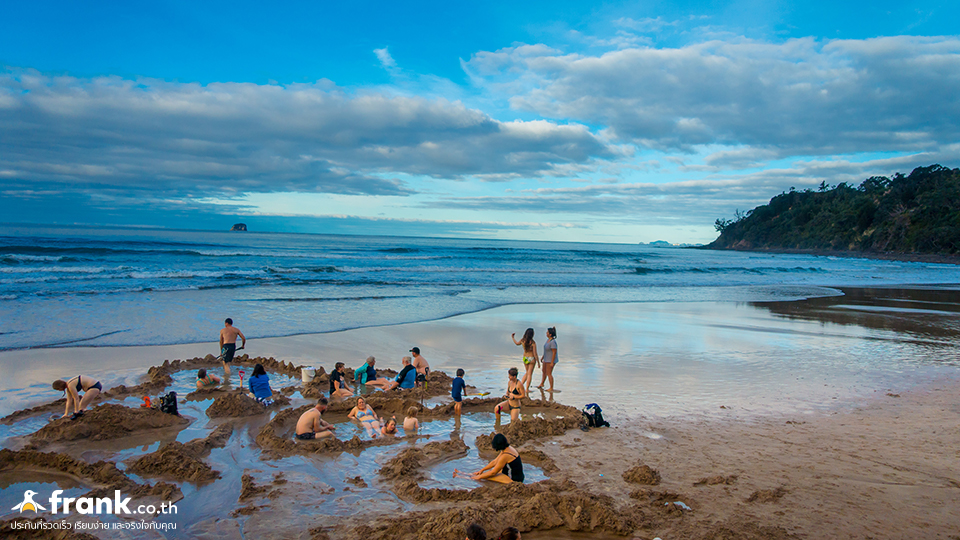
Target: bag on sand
(593,415)
(168,403)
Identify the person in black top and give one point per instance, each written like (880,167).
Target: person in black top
(506,468)
(338,385)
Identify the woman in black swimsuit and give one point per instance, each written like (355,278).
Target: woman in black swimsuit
(506,468)
(90,387)
(515,392)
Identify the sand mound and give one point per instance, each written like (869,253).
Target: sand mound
(544,506)
(767,495)
(106,422)
(532,428)
(716,480)
(539,459)
(642,474)
(101,473)
(736,528)
(237,403)
(181,461)
(9,532)
(357,481)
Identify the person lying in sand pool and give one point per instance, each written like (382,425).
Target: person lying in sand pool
(367,417)
(515,392)
(205,380)
(76,405)
(312,426)
(410,423)
(530,359)
(506,468)
(260,386)
(390,428)
(406,378)
(338,385)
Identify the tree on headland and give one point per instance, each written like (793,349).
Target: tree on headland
(917,213)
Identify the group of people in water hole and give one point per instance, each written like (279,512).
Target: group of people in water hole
(505,468)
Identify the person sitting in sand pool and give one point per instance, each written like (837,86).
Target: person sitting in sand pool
(407,377)
(205,380)
(506,468)
(312,426)
(476,532)
(338,386)
(260,386)
(510,533)
(515,392)
(76,405)
(530,359)
(367,417)
(367,374)
(459,387)
(228,344)
(550,357)
(410,423)
(390,428)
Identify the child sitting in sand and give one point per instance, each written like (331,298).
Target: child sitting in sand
(390,428)
(204,380)
(410,423)
(260,386)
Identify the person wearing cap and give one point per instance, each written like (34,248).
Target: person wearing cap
(420,364)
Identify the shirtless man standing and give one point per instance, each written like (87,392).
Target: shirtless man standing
(312,426)
(228,344)
(420,364)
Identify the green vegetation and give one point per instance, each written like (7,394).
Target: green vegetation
(919,213)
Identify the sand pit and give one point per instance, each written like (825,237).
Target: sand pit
(717,480)
(237,404)
(103,474)
(276,438)
(767,495)
(181,461)
(530,428)
(106,422)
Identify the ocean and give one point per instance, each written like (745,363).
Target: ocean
(81,286)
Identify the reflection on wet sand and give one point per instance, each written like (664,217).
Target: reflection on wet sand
(922,313)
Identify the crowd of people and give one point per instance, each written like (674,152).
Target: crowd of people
(507,467)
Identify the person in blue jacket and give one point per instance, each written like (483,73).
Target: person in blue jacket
(407,378)
(260,385)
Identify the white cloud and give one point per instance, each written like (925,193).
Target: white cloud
(228,138)
(799,97)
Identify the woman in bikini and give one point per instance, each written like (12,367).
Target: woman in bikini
(530,359)
(90,387)
(367,417)
(515,392)
(506,468)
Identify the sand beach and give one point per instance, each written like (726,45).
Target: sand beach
(831,417)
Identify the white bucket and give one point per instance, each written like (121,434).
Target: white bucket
(308,373)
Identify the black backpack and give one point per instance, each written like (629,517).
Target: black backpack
(168,403)
(593,416)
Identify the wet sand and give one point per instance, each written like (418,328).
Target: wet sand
(831,417)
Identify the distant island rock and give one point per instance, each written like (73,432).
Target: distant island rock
(910,215)
(239,227)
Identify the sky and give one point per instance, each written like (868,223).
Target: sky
(597,122)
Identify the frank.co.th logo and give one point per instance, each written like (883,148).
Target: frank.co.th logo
(28,503)
(118,505)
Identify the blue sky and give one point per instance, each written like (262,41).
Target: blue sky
(608,122)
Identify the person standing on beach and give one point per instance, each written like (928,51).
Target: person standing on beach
(530,359)
(459,387)
(338,385)
(228,343)
(420,364)
(549,357)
